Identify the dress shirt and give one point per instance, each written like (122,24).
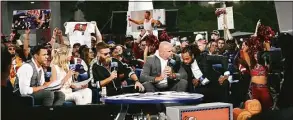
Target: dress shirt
(195,70)
(163,83)
(24,74)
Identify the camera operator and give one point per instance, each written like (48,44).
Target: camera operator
(109,72)
(202,78)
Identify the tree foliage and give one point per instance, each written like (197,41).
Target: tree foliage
(193,17)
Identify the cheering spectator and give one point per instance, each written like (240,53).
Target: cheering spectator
(87,55)
(212,48)
(221,46)
(76,47)
(215,35)
(11,49)
(10,105)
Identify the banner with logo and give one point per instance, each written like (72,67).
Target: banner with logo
(79,32)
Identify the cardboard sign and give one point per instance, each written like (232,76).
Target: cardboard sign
(230,19)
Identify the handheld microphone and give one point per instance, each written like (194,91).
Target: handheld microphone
(114,65)
(171,62)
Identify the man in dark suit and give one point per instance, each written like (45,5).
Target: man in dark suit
(218,87)
(158,74)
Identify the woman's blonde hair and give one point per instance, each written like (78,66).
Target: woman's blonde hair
(60,58)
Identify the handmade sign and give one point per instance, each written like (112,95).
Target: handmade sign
(225,14)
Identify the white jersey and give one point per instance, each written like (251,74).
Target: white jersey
(79,32)
(148,25)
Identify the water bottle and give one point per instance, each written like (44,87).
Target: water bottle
(103,95)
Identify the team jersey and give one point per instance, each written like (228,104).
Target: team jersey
(79,32)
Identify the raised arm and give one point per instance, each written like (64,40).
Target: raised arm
(145,53)
(60,37)
(98,33)
(53,39)
(229,36)
(256,28)
(26,43)
(156,22)
(136,21)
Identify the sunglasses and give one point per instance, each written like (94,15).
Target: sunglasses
(105,54)
(11,48)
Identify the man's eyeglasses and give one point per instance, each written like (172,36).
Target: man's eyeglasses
(143,44)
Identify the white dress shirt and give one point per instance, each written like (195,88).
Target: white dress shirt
(163,83)
(24,74)
(195,70)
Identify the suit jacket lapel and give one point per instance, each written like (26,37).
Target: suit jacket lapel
(158,65)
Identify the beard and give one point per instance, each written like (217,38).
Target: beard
(105,61)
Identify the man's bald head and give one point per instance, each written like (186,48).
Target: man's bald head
(164,45)
(165,50)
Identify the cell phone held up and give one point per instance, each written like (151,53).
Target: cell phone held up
(72,67)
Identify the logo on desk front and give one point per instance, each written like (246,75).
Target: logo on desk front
(189,118)
(220,113)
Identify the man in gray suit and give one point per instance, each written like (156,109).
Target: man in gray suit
(158,75)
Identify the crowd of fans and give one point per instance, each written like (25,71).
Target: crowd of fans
(48,72)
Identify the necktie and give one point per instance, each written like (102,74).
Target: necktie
(39,77)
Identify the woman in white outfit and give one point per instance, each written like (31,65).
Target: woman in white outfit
(62,73)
